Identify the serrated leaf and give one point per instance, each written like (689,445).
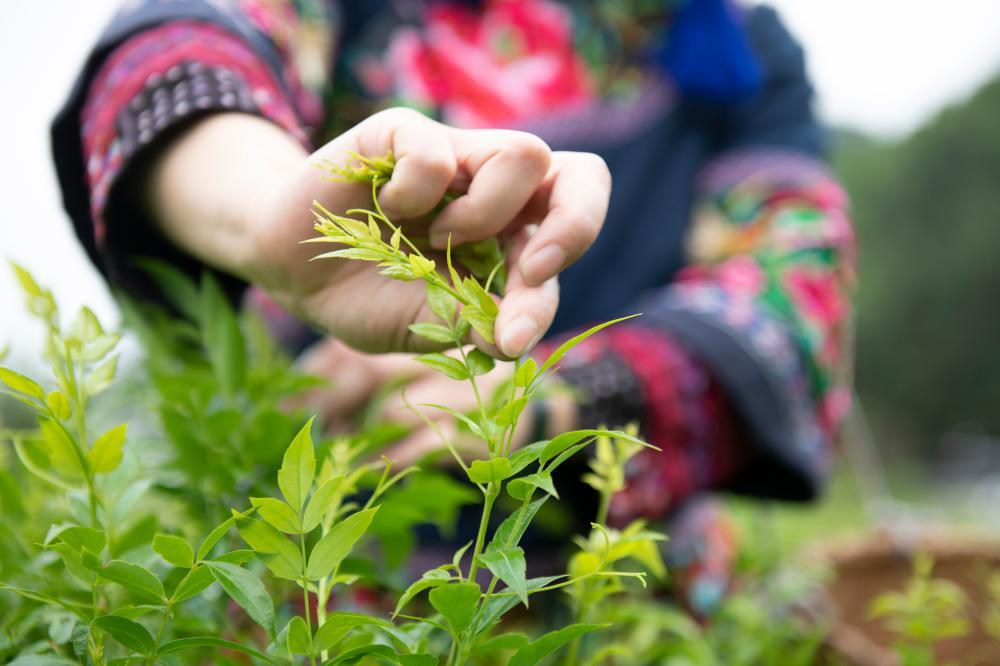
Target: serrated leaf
(298,468)
(456,602)
(279,554)
(18,382)
(451,367)
(100,378)
(184,644)
(277,514)
(541,647)
(247,591)
(106,454)
(134,578)
(130,634)
(299,640)
(562,349)
(519,487)
(485,471)
(479,363)
(508,565)
(320,503)
(433,332)
(174,550)
(338,543)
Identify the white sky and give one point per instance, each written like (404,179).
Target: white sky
(881,65)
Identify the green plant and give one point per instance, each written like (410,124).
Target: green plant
(929,610)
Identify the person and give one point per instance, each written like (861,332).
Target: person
(187,137)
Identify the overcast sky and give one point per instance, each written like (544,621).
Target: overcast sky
(883,66)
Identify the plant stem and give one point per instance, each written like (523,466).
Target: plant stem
(492,491)
(305,598)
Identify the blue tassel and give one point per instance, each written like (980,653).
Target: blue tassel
(707,53)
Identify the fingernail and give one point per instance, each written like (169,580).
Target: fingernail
(439,239)
(543,264)
(519,335)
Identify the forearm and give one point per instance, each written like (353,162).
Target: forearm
(206,188)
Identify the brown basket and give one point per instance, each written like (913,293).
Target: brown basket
(877,564)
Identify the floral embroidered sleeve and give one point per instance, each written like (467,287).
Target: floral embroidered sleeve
(161,65)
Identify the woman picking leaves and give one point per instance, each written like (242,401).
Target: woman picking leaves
(188,137)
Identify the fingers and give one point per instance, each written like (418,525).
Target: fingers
(526,311)
(577,187)
(425,160)
(506,169)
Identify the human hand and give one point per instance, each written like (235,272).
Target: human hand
(550,206)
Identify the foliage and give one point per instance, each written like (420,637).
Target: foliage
(929,610)
(924,208)
(210,540)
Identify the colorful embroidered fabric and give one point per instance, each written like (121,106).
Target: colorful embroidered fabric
(740,368)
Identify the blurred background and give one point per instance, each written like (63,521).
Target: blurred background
(912,92)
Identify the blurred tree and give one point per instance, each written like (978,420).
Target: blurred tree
(928,216)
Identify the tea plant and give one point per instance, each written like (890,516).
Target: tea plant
(929,610)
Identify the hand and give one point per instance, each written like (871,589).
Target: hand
(251,222)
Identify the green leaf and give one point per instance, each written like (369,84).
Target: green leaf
(298,468)
(430,579)
(417,660)
(434,332)
(452,367)
(60,449)
(184,644)
(137,580)
(479,297)
(479,362)
(320,503)
(509,566)
(339,624)
(18,382)
(534,652)
(100,378)
(247,591)
(473,426)
(223,338)
(485,471)
(510,531)
(280,555)
(355,655)
(338,543)
(78,538)
(562,442)
(81,610)
(494,607)
(200,577)
(106,454)
(518,488)
(59,405)
(457,604)
(511,412)
(509,641)
(130,634)
(177,287)
(441,302)
(277,514)
(214,536)
(483,324)
(98,348)
(525,372)
(174,550)
(562,349)
(85,326)
(299,640)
